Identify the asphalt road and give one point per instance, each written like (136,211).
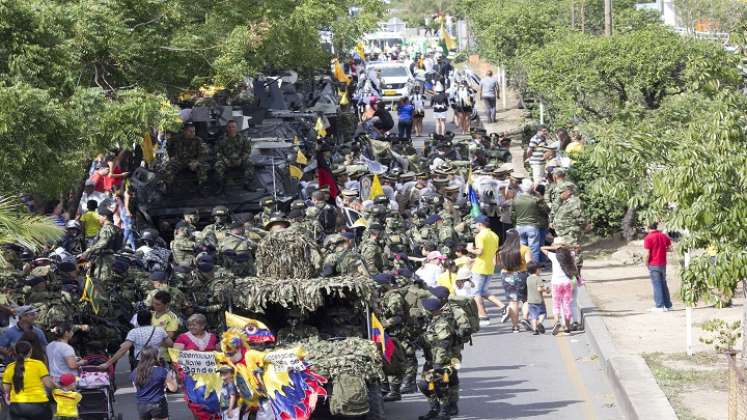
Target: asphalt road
(503,376)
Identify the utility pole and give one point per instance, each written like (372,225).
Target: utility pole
(607,17)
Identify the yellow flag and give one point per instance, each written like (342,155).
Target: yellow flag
(360,50)
(446,37)
(376,189)
(295,172)
(344,98)
(149,152)
(339,73)
(89,294)
(321,131)
(301,158)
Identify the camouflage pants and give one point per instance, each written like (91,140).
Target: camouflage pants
(222,163)
(174,166)
(443,393)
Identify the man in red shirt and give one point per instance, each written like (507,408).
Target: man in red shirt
(657,244)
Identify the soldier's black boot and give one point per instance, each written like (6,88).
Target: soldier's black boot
(385,388)
(432,413)
(443,414)
(393,394)
(408,385)
(453,408)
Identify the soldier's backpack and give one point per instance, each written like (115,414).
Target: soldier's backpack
(349,396)
(466,317)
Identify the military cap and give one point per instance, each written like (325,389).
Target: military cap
(205,267)
(439,180)
(440,292)
(376,226)
(480,171)
(298,205)
(383,278)
(452,189)
(340,170)
(159,276)
(422,175)
(568,186)
(407,176)
(276,219)
(182,269)
(191,211)
(395,172)
(323,188)
(350,193)
(41,271)
(220,211)
(433,218)
(67,267)
(348,235)
(267,201)
(432,304)
(489,167)
(296,214)
(517,175)
(35,281)
(503,169)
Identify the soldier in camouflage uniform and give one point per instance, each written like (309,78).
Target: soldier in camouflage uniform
(296,330)
(439,374)
(343,260)
(232,151)
(555,188)
(312,225)
(189,222)
(268,208)
(101,252)
(214,233)
(393,316)
(160,282)
(186,151)
(236,251)
(370,250)
(183,247)
(569,221)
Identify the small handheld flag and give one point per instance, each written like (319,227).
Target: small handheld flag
(89,294)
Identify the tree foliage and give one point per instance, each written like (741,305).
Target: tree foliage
(80,76)
(19,227)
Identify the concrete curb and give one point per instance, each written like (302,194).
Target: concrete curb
(636,391)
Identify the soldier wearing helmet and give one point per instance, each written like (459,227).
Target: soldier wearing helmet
(73,240)
(214,233)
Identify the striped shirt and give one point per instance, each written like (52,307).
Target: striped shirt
(537,153)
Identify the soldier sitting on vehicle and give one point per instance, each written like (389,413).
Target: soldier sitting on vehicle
(186,151)
(232,151)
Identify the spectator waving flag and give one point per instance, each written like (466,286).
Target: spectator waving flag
(89,294)
(474,203)
(379,335)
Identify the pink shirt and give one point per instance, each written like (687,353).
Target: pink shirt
(190,344)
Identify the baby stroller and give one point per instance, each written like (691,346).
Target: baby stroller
(98,395)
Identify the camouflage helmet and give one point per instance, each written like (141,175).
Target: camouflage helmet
(312,212)
(298,205)
(378,211)
(149,234)
(220,211)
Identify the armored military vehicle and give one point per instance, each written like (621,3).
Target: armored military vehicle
(334,321)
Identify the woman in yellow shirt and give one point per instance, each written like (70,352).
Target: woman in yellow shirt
(25,382)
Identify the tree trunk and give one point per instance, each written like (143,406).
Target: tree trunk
(627,224)
(744,327)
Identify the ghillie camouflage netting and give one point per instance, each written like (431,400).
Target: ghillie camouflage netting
(255,293)
(355,356)
(285,254)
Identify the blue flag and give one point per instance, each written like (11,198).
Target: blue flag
(474,203)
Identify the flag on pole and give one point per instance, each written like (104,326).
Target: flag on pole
(149,152)
(376,188)
(89,294)
(379,335)
(474,202)
(339,73)
(447,42)
(360,50)
(319,127)
(295,172)
(301,158)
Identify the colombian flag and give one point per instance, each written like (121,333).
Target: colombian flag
(378,335)
(474,203)
(90,294)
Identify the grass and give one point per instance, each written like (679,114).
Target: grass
(676,382)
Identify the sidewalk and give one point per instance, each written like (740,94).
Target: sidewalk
(619,285)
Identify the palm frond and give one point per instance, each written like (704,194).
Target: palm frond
(19,227)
